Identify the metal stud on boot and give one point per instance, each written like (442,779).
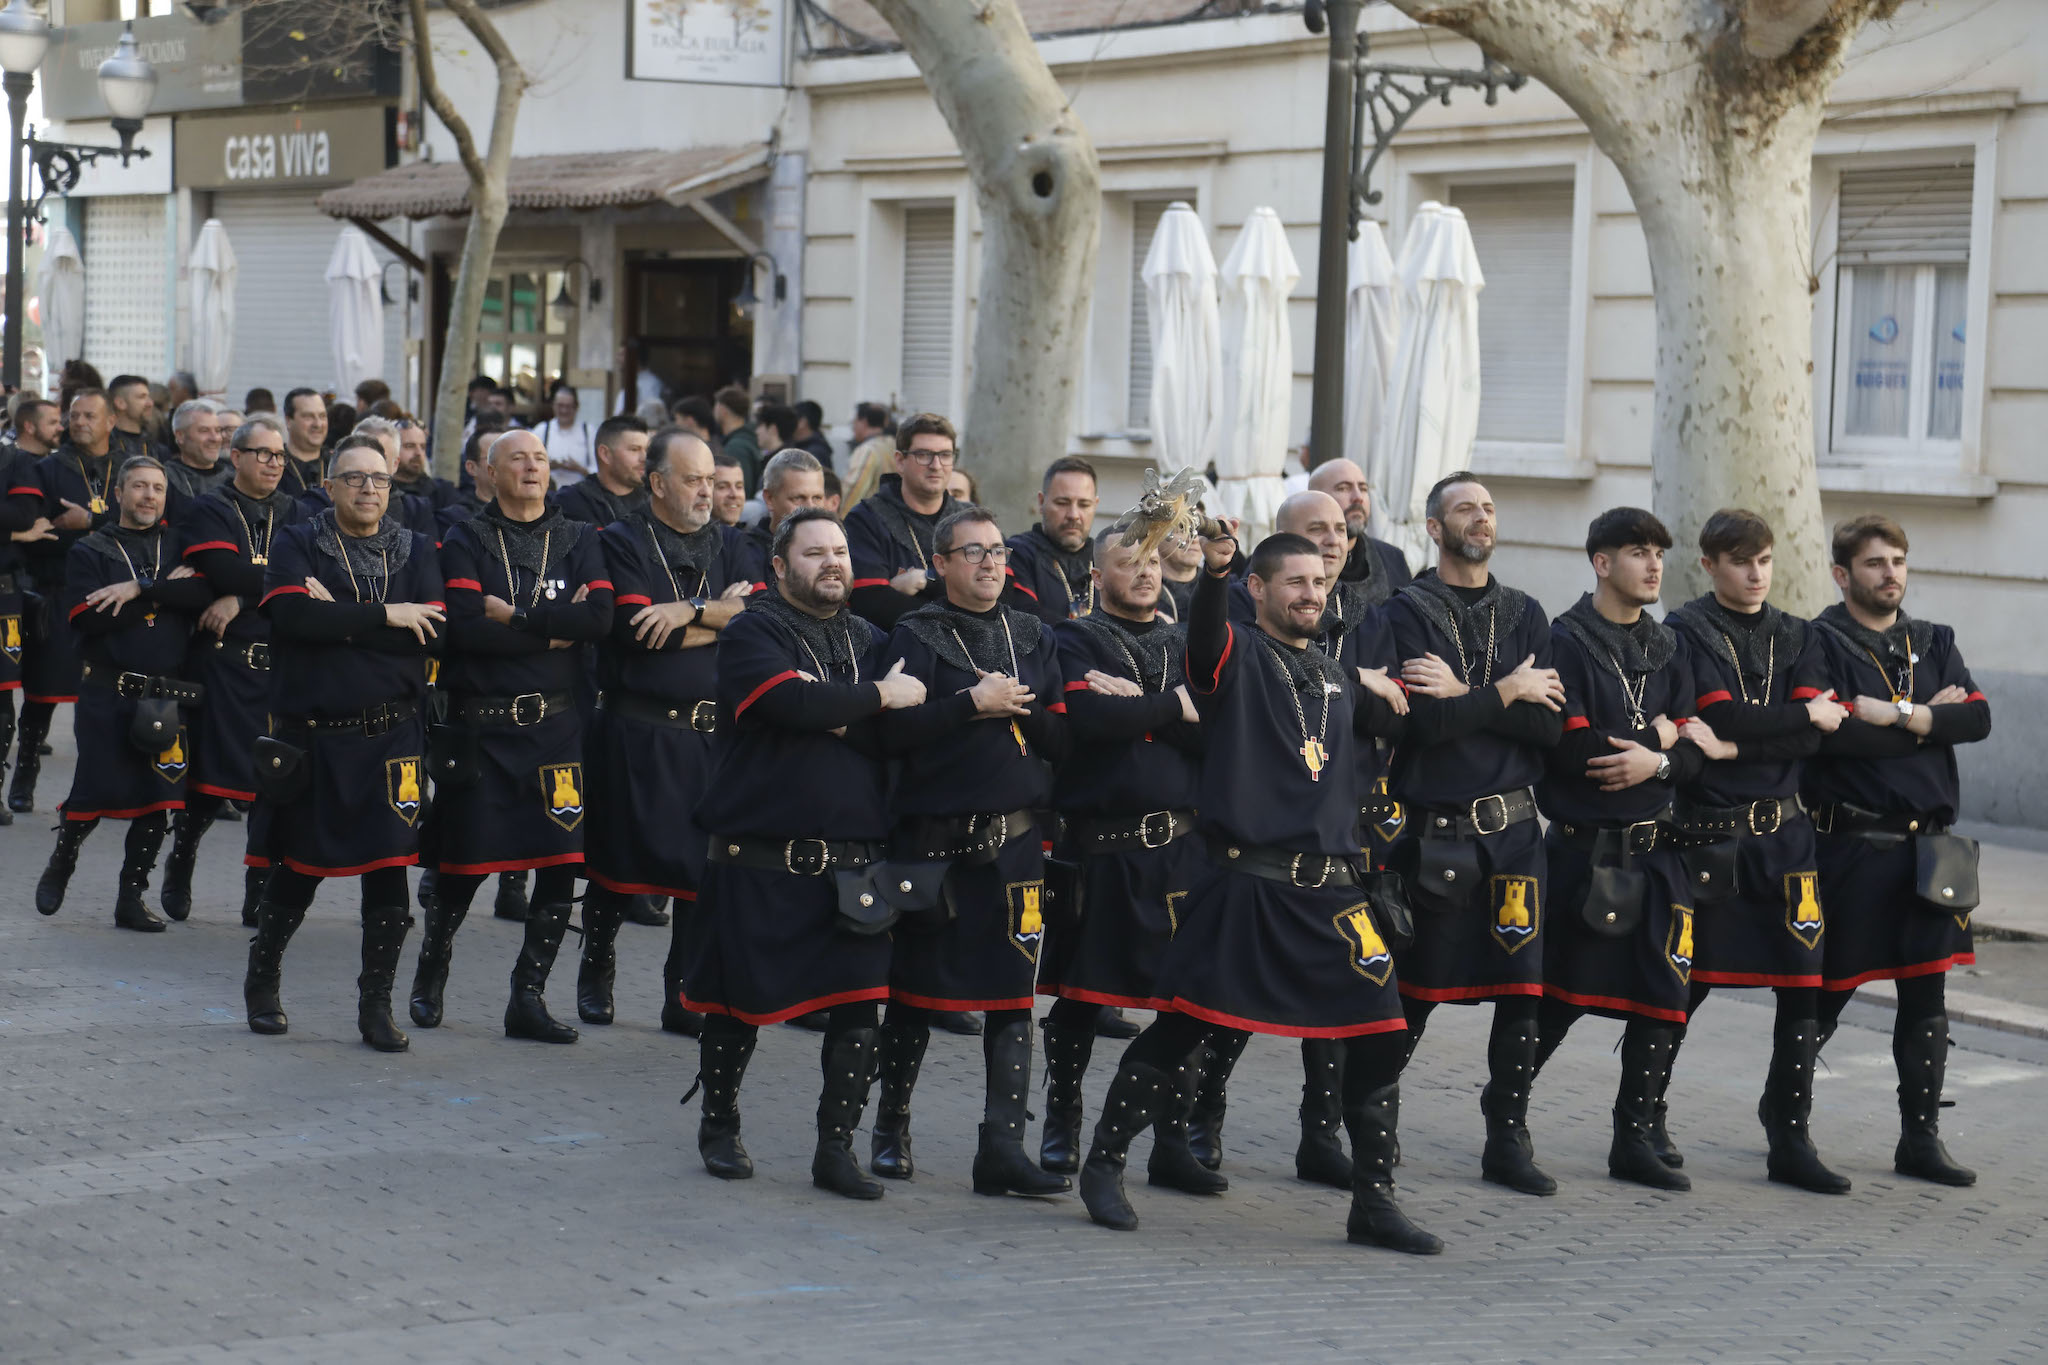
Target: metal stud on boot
(511,900)
(902,1055)
(384,929)
(28,765)
(1645,1060)
(255,881)
(723,1055)
(603,912)
(1212,1097)
(1067,1051)
(275,925)
(437,951)
(1172,1166)
(1376,1220)
(186,831)
(1321,1159)
(1660,1136)
(1509,1158)
(1134,1097)
(848,1061)
(131,911)
(1000,1166)
(1921,1051)
(526,1015)
(1787,1107)
(56,878)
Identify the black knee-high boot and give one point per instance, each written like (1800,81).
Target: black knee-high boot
(1509,1158)
(1920,1049)
(526,1014)
(603,912)
(511,902)
(437,951)
(1787,1110)
(188,827)
(848,1061)
(1067,1050)
(28,759)
(254,881)
(145,837)
(1660,1135)
(56,878)
(1172,1165)
(723,1055)
(1212,1097)
(675,1018)
(902,1054)
(1321,1159)
(384,928)
(1376,1220)
(6,748)
(1000,1166)
(275,925)
(1645,1062)
(1135,1095)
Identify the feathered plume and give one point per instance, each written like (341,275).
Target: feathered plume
(1169,511)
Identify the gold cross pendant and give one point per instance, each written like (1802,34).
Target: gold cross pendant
(1314,754)
(1018,734)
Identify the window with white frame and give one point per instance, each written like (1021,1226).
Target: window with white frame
(926,340)
(1902,260)
(1522,234)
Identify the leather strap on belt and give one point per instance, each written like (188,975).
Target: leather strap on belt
(1119,833)
(528,708)
(701,716)
(1489,815)
(250,654)
(1755,817)
(1640,837)
(1310,871)
(141,685)
(804,857)
(375,721)
(947,838)
(1842,818)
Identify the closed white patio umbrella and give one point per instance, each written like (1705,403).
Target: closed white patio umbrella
(212,271)
(1372,335)
(60,299)
(1258,373)
(1187,342)
(355,312)
(1433,401)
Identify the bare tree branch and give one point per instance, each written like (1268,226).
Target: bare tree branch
(430,86)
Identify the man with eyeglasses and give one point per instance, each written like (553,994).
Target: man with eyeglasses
(891,531)
(973,766)
(354,601)
(525,586)
(131,604)
(229,535)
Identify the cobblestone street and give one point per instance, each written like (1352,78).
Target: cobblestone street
(175,1188)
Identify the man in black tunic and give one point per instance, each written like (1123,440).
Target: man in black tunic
(973,769)
(354,601)
(132,605)
(1764,707)
(1621,926)
(228,536)
(198,468)
(1367,557)
(799,675)
(619,488)
(1883,791)
(890,532)
(1485,707)
(22,524)
(1283,935)
(791,479)
(1049,563)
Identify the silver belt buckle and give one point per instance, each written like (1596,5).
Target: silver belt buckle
(1294,873)
(540,701)
(1478,825)
(1145,839)
(1777,816)
(789,858)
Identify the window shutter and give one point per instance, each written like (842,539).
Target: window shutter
(126,250)
(1910,215)
(1523,237)
(1145,216)
(927,340)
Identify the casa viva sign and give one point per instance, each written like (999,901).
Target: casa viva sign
(329,146)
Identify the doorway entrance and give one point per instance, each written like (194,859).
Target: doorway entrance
(681,313)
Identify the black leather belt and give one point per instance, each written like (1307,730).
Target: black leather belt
(528,708)
(1111,834)
(1639,837)
(375,721)
(1840,817)
(142,685)
(804,857)
(701,716)
(1310,871)
(1755,817)
(250,654)
(1489,815)
(948,838)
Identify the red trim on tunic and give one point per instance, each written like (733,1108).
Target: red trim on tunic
(467,584)
(227,545)
(1805,693)
(1707,699)
(823,1002)
(753,588)
(1058,708)
(933,1002)
(1577,723)
(633,599)
(1976,696)
(229,793)
(1850,983)
(308,870)
(1614,1002)
(638,888)
(1018,584)
(869,583)
(596,583)
(24,492)
(1396,1025)
(280,591)
(1448,994)
(1753,979)
(756,694)
(14,686)
(1229,642)
(1127,1002)
(81,607)
(1077,687)
(53,701)
(151,809)
(511,865)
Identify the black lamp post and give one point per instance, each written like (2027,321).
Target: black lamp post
(127,85)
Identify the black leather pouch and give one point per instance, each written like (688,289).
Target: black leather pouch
(1062,895)
(1447,875)
(1614,901)
(452,755)
(1945,872)
(918,893)
(281,772)
(1391,913)
(155,725)
(1710,870)
(863,909)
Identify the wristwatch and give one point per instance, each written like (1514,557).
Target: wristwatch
(1663,766)
(1905,711)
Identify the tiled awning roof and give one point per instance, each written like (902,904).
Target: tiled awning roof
(583,180)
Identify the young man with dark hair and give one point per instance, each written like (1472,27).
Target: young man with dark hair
(694,415)
(305,427)
(1621,923)
(730,406)
(1050,564)
(890,532)
(134,409)
(619,488)
(259,400)
(1883,791)
(728,489)
(1764,707)
(1485,708)
(412,477)
(973,766)
(809,433)
(131,604)
(777,426)
(868,458)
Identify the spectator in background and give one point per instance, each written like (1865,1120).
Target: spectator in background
(653,414)
(638,384)
(76,375)
(695,415)
(180,389)
(738,438)
(501,400)
(370,393)
(809,434)
(835,491)
(341,423)
(480,390)
(259,400)
(572,451)
(133,407)
(728,488)
(775,428)
(873,453)
(388,410)
(961,487)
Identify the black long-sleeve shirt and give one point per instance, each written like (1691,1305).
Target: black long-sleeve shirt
(497,659)
(340,658)
(150,634)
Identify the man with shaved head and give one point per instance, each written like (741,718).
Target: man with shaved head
(1379,568)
